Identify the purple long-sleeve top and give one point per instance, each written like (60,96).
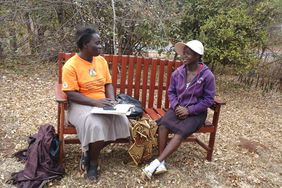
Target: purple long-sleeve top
(198,96)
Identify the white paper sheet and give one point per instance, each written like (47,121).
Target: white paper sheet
(119,109)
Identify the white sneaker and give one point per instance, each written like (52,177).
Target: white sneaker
(148,171)
(161,169)
(147,174)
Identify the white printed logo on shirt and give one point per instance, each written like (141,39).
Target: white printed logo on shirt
(65,85)
(200,80)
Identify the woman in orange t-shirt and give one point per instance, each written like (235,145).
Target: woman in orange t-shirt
(87,83)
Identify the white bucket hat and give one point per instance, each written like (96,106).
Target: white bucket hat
(194,45)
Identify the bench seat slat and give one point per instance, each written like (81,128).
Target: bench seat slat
(152,113)
(160,111)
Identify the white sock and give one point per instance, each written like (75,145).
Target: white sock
(153,165)
(163,162)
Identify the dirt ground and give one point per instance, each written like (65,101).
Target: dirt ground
(247,151)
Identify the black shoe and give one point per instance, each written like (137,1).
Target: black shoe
(84,161)
(92,172)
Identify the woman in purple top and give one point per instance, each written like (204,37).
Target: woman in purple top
(191,92)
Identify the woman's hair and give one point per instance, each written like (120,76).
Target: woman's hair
(83,36)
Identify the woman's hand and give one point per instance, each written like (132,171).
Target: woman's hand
(104,102)
(181,112)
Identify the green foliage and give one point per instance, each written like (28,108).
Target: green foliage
(227,37)
(232,32)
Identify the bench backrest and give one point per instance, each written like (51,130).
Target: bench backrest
(146,79)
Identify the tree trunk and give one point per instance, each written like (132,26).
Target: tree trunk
(114,26)
(61,14)
(30,29)
(280,84)
(13,40)
(1,50)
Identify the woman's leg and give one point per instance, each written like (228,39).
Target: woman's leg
(162,138)
(165,152)
(96,147)
(172,146)
(94,151)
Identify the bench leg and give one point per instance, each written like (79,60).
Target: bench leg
(61,133)
(211,146)
(58,120)
(62,145)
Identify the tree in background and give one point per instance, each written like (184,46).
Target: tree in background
(42,28)
(232,31)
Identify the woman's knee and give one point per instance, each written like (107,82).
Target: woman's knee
(93,128)
(178,137)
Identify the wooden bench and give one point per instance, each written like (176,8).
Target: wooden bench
(145,79)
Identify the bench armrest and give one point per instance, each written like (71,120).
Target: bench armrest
(60,96)
(219,102)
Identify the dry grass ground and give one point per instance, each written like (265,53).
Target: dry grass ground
(27,101)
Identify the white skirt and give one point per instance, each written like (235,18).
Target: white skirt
(96,127)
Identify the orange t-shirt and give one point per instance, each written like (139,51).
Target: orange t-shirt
(87,78)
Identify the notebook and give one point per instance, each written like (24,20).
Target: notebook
(118,109)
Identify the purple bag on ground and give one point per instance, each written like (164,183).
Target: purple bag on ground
(41,161)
